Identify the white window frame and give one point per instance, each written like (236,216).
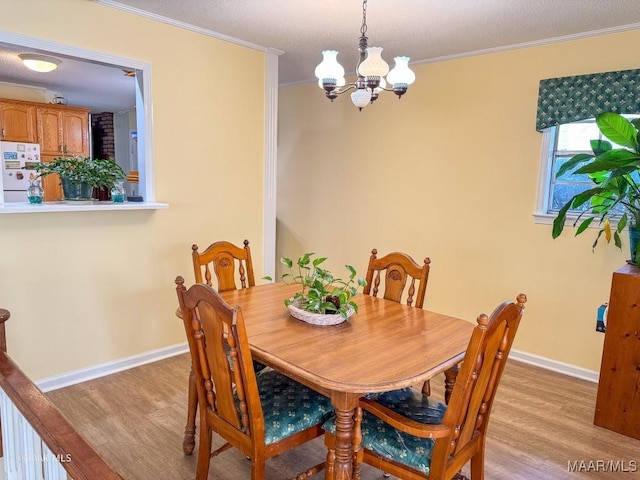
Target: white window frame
(144,124)
(541,214)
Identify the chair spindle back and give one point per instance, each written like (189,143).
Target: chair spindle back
(398,269)
(473,394)
(228,263)
(222,364)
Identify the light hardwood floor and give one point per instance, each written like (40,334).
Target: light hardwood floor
(541,423)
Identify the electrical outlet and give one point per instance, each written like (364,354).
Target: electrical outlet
(601,318)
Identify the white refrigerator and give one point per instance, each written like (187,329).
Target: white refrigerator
(15,180)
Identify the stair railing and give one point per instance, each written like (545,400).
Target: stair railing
(37,442)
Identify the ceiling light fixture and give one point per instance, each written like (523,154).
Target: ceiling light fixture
(370,70)
(39,63)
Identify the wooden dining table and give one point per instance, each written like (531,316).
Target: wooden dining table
(382,347)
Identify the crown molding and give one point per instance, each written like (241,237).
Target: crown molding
(506,48)
(187,26)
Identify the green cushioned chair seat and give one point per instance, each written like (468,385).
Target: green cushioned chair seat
(289,407)
(388,442)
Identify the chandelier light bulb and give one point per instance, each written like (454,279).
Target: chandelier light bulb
(374,65)
(361,97)
(329,68)
(401,73)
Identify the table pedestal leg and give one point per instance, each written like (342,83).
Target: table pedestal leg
(342,458)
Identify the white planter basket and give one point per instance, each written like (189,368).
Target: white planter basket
(318,318)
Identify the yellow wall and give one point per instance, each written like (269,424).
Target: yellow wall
(450,171)
(87,288)
(22,93)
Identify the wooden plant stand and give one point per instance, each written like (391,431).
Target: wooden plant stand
(618,400)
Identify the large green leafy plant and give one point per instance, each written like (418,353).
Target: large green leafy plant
(615,173)
(80,169)
(320,291)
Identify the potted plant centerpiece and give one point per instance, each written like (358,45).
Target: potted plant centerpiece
(79,174)
(323,299)
(615,173)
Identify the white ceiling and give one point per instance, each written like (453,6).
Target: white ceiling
(80,82)
(424,30)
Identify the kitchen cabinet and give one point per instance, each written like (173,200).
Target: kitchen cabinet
(50,131)
(17,121)
(58,129)
(618,400)
(61,130)
(75,131)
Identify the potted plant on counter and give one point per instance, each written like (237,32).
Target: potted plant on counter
(323,299)
(79,174)
(615,194)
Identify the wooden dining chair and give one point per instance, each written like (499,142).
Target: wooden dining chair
(417,437)
(263,414)
(228,262)
(231,266)
(397,269)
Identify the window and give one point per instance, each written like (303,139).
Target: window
(559,145)
(567,107)
(140,124)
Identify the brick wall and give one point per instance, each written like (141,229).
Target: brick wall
(102,134)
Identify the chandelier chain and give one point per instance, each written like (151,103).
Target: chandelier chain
(363,29)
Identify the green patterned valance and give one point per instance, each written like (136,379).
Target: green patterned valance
(570,99)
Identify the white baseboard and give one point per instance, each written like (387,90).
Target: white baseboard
(555,366)
(107,368)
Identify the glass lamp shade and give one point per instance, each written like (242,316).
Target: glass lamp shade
(401,73)
(361,97)
(373,65)
(39,63)
(329,67)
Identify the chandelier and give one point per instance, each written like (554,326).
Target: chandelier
(370,71)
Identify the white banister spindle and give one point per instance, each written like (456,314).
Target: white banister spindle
(31,451)
(10,438)
(26,457)
(53,469)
